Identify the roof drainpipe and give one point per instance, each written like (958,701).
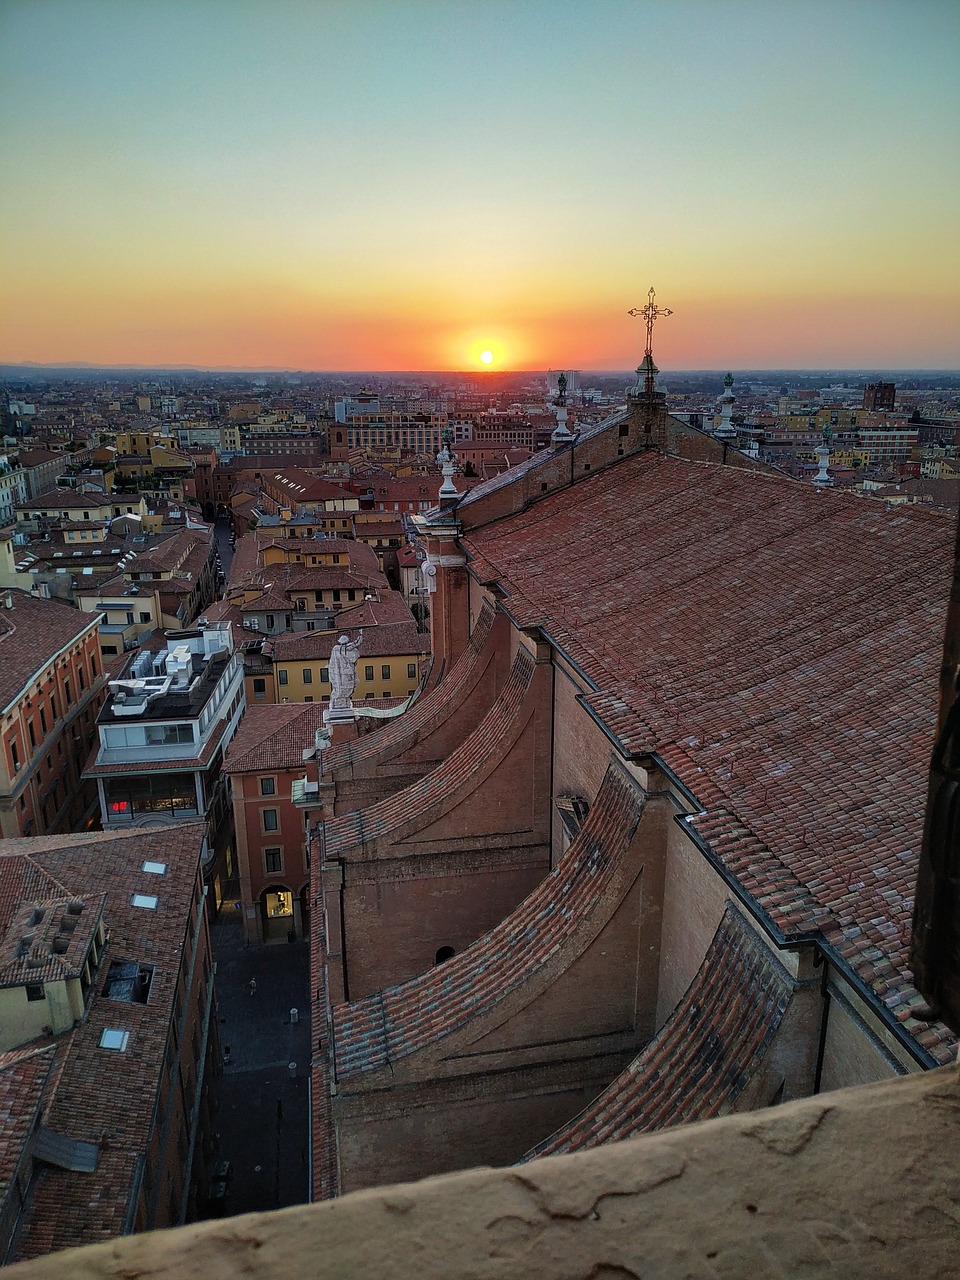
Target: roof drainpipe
(822,961)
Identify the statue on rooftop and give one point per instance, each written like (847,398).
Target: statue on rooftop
(343,671)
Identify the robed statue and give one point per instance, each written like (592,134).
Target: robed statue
(343,671)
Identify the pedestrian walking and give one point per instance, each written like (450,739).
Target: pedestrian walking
(253,986)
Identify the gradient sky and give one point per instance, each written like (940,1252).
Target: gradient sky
(352,184)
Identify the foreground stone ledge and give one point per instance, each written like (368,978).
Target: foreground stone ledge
(862,1182)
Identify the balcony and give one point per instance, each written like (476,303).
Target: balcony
(307,794)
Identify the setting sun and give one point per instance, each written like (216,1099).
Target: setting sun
(486,357)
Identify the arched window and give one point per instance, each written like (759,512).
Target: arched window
(445,953)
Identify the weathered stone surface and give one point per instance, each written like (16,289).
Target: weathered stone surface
(863,1184)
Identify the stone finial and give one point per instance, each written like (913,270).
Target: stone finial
(725,430)
(561,432)
(823,458)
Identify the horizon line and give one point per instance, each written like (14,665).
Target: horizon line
(481,373)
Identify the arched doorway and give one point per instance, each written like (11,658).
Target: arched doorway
(276,913)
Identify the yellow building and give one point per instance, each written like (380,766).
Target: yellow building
(389,665)
(138,444)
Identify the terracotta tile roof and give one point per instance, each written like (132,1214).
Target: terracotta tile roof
(172,552)
(391,607)
(402,1019)
(709,1048)
(23,1078)
(94,1096)
(48,938)
(445,783)
(273,736)
(37,457)
(425,716)
(386,641)
(778,647)
(271,599)
(66,499)
(30,634)
(361,564)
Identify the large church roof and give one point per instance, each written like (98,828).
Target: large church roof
(777,648)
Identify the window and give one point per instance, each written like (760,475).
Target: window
(307,675)
(282,676)
(324,675)
(259,687)
(336,595)
(43,720)
(166,735)
(272,861)
(33,736)
(35,991)
(148,901)
(270,820)
(66,691)
(368,673)
(270,621)
(154,868)
(113,1038)
(15,757)
(411,671)
(268,786)
(144,617)
(385,671)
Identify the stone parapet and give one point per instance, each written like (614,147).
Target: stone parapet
(858,1183)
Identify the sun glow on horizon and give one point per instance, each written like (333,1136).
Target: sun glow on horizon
(469,259)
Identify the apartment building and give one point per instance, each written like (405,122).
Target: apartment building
(164,729)
(108,1036)
(264,761)
(51,689)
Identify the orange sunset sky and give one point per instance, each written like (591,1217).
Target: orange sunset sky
(317,185)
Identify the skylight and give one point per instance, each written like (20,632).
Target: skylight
(154,868)
(113,1038)
(146,900)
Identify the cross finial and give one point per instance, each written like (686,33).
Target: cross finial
(649,313)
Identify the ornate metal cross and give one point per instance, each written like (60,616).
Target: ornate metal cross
(650,313)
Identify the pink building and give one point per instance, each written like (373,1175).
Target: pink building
(264,760)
